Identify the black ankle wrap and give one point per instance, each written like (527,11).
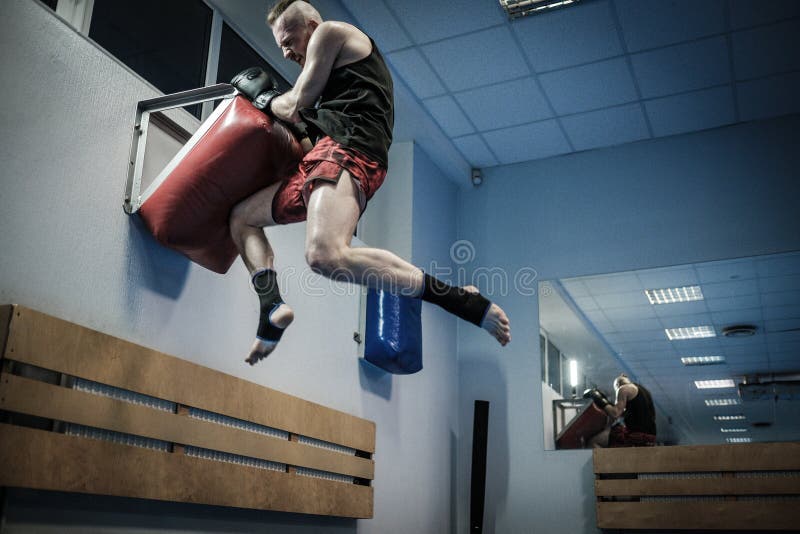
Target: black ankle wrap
(265,283)
(471,307)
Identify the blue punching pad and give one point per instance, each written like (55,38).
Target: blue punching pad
(393,339)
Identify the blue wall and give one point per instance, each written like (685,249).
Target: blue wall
(717,194)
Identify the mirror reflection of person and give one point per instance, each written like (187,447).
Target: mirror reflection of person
(633,414)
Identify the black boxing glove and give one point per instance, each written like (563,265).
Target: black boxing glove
(258,86)
(597,396)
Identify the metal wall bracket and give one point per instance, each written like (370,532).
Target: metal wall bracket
(151,111)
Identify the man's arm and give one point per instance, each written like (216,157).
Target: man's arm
(323,48)
(624,394)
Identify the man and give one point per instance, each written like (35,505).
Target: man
(635,405)
(345,75)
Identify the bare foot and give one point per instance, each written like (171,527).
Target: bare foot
(496,321)
(281,318)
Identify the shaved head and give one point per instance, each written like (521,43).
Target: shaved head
(621,380)
(293,12)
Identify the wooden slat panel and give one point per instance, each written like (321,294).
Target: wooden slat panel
(5,319)
(699,486)
(699,458)
(52,343)
(46,460)
(18,394)
(710,515)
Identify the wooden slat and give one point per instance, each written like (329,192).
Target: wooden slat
(5,319)
(704,515)
(46,460)
(698,486)
(699,458)
(45,341)
(18,394)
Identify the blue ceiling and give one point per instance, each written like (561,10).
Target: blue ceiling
(598,74)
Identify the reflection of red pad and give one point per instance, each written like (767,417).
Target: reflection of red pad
(242,152)
(586,424)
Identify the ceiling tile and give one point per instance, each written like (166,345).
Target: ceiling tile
(780,283)
(532,141)
(379,23)
(729,303)
(593,86)
(785,264)
(781,312)
(735,288)
(769,97)
(612,283)
(699,110)
(632,313)
(725,271)
(414,70)
(606,127)
(697,319)
(505,104)
(724,318)
(621,299)
(680,308)
(682,67)
(477,59)
(767,50)
(431,21)
(564,38)
(653,23)
(586,304)
(745,13)
(474,149)
(783,298)
(667,277)
(575,287)
(447,113)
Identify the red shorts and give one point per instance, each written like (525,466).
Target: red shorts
(326,161)
(620,436)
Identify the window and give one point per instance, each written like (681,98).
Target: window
(553,366)
(164,42)
(235,55)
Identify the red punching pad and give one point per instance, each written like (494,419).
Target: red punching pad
(586,424)
(241,153)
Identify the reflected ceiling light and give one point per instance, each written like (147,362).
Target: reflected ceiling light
(573,373)
(738,440)
(714,384)
(733,430)
(702,360)
(674,294)
(690,332)
(737,417)
(522,8)
(732,401)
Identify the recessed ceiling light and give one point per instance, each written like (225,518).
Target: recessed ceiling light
(733,430)
(521,8)
(731,401)
(690,332)
(738,440)
(737,417)
(671,295)
(714,384)
(702,360)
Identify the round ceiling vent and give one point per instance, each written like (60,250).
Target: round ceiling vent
(739,330)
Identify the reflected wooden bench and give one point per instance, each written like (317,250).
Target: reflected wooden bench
(82,411)
(749,486)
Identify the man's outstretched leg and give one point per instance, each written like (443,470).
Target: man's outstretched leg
(247,221)
(333,212)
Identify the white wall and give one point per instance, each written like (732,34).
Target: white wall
(717,194)
(69,250)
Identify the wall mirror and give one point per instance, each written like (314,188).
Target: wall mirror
(716,343)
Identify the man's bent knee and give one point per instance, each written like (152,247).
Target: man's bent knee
(329,261)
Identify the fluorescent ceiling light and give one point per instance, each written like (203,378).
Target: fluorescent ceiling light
(690,332)
(732,401)
(737,417)
(733,430)
(702,360)
(714,384)
(738,440)
(671,295)
(522,8)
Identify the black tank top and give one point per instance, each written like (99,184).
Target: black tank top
(640,414)
(356,107)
